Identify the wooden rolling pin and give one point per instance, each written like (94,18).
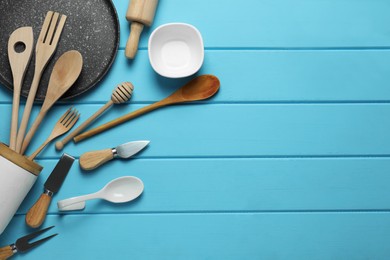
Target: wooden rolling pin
(140,13)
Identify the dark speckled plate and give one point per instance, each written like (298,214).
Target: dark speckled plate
(92,28)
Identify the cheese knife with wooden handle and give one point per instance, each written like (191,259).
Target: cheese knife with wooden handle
(37,214)
(94,159)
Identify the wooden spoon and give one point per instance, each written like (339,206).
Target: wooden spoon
(199,88)
(121,94)
(65,72)
(19,60)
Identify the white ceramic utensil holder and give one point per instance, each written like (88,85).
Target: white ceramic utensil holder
(17,176)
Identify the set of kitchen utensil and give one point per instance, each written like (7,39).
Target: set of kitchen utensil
(66,71)
(175,50)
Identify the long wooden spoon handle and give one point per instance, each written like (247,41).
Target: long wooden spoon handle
(6,252)
(37,214)
(60,144)
(27,110)
(120,120)
(32,130)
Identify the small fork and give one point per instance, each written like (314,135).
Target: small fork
(63,125)
(46,46)
(23,244)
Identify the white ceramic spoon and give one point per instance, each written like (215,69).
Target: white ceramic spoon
(120,190)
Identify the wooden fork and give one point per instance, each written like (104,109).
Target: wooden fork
(46,46)
(63,125)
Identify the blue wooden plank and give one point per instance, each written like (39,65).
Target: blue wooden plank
(294,179)
(243,130)
(232,185)
(213,236)
(261,76)
(277,23)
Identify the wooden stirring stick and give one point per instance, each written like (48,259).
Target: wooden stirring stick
(199,88)
(46,46)
(121,94)
(19,61)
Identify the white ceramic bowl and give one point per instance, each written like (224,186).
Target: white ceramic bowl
(176,50)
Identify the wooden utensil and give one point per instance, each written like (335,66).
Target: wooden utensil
(121,94)
(63,125)
(46,46)
(94,159)
(20,46)
(65,72)
(199,88)
(140,13)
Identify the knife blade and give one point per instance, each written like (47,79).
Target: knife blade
(92,160)
(37,213)
(58,175)
(129,149)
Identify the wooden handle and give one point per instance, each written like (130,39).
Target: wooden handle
(121,120)
(37,151)
(60,144)
(93,160)
(37,214)
(33,129)
(132,42)
(15,116)
(6,252)
(27,109)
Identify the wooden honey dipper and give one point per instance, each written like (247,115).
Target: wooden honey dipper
(121,94)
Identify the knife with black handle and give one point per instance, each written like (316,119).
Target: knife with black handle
(37,213)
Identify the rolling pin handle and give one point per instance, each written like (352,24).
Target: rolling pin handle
(132,43)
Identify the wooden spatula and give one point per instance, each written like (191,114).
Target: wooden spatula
(65,72)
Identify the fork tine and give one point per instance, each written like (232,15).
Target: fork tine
(59,29)
(72,115)
(74,120)
(69,117)
(36,243)
(23,243)
(52,28)
(64,115)
(45,26)
(35,234)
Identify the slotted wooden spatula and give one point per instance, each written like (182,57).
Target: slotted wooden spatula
(20,47)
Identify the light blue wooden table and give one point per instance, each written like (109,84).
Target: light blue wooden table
(291,160)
